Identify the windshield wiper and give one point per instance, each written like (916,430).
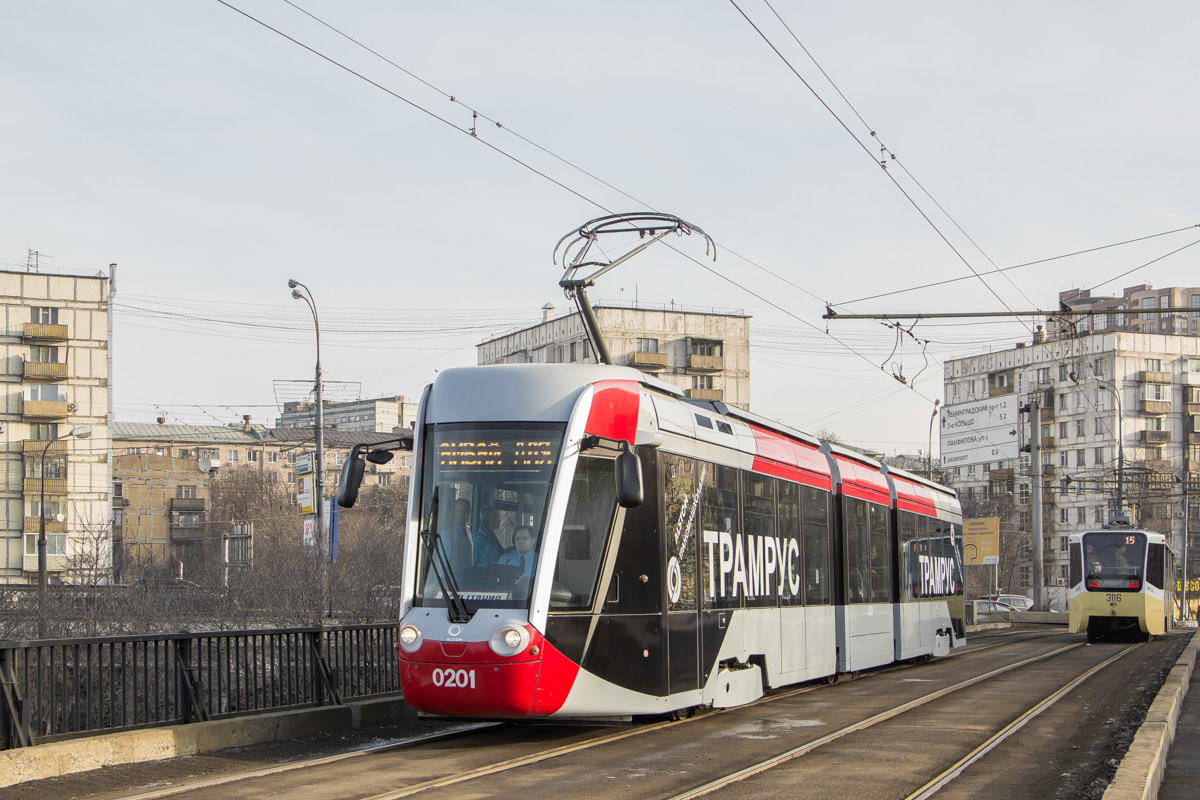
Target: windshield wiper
(456,607)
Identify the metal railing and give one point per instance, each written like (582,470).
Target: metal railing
(59,689)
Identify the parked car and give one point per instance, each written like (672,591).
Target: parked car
(1017,601)
(989,606)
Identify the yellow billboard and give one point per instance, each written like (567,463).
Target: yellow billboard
(981,541)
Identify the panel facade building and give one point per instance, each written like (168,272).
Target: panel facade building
(703,351)
(1099,395)
(55,348)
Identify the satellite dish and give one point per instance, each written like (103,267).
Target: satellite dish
(206,465)
(60,518)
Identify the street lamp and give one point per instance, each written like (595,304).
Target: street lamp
(1120,450)
(80,432)
(322,545)
(929,452)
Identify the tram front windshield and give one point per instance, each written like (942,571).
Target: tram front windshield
(1114,560)
(484,492)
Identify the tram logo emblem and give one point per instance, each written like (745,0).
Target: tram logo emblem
(455,630)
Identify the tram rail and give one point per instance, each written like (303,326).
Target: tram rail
(504,769)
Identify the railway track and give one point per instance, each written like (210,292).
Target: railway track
(998,686)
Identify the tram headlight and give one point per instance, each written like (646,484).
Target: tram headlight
(410,638)
(509,640)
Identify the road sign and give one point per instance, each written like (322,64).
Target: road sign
(981,541)
(980,431)
(304,463)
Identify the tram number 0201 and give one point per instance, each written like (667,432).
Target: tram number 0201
(454,678)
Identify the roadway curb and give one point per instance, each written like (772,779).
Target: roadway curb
(55,759)
(1140,773)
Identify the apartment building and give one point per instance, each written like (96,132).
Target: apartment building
(162,484)
(1139,309)
(703,351)
(56,348)
(380,415)
(1101,396)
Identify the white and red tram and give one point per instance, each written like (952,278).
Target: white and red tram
(685,553)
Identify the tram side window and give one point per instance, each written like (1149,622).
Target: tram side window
(881,565)
(789,567)
(1156,566)
(858,566)
(758,521)
(719,517)
(911,549)
(681,501)
(1076,568)
(585,533)
(817,585)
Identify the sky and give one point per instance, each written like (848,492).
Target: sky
(212,159)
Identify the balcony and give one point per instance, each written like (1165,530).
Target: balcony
(1154,437)
(1049,442)
(52,525)
(648,361)
(706,394)
(40,332)
(1049,470)
(188,503)
(1002,474)
(45,370)
(1153,376)
(1191,379)
(706,363)
(1154,407)
(46,409)
(187,530)
(37,446)
(997,391)
(54,486)
(1047,414)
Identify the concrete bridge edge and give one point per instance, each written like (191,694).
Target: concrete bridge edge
(54,759)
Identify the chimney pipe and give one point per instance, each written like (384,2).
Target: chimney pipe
(162,420)
(547,312)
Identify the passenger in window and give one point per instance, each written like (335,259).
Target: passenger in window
(523,556)
(455,540)
(486,544)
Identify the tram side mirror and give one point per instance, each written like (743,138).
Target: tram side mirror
(352,475)
(629,477)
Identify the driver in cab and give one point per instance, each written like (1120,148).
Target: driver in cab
(523,556)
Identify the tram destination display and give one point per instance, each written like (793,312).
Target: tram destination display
(474,453)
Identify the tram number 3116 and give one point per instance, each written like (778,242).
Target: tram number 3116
(454,678)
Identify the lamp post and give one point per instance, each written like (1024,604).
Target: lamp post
(319,505)
(80,432)
(1120,450)
(929,452)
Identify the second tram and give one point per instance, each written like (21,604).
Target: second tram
(585,542)
(1122,583)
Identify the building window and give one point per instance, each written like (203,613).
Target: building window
(1062,430)
(43,354)
(1081,515)
(704,347)
(43,431)
(1043,375)
(233,456)
(1079,428)
(1023,518)
(272,457)
(1062,372)
(1062,458)
(385,480)
(185,492)
(702,381)
(1099,427)
(1098,367)
(1080,458)
(1155,391)
(118,489)
(572,351)
(252,456)
(1099,515)
(1062,515)
(1063,544)
(1154,365)
(56,544)
(44,315)
(647,345)
(1098,456)
(1023,492)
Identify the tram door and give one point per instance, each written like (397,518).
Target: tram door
(681,491)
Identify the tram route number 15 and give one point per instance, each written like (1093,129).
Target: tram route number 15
(454,678)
